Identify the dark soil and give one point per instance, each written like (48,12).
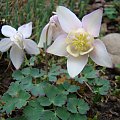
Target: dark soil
(5,75)
(109,110)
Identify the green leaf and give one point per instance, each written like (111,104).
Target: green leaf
(75,105)
(51,91)
(73,88)
(89,72)
(70,88)
(111,12)
(27,86)
(14,89)
(72,105)
(44,101)
(66,85)
(26,80)
(87,69)
(55,118)
(118,65)
(59,100)
(92,74)
(104,90)
(33,111)
(22,98)
(52,78)
(98,82)
(102,86)
(32,60)
(17,101)
(81,79)
(26,71)
(9,103)
(62,90)
(54,72)
(47,115)
(17,75)
(35,72)
(37,89)
(82,106)
(77,117)
(62,113)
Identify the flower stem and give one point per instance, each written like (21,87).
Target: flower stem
(46,55)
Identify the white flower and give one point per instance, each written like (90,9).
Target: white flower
(77,42)
(50,32)
(18,41)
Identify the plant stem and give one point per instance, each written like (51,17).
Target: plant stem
(46,55)
(88,86)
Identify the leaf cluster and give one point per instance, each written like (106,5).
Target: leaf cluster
(45,100)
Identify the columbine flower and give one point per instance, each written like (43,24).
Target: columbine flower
(50,31)
(78,43)
(18,42)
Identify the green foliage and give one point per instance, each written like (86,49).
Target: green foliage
(32,72)
(77,117)
(87,73)
(116,91)
(27,79)
(70,88)
(54,72)
(48,115)
(75,105)
(62,113)
(118,65)
(82,5)
(33,110)
(48,101)
(54,95)
(98,85)
(15,97)
(44,101)
(111,12)
(101,86)
(82,106)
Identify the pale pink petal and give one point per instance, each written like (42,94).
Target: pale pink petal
(46,34)
(26,30)
(31,47)
(56,27)
(92,22)
(100,55)
(76,64)
(16,56)
(54,19)
(59,46)
(8,31)
(68,20)
(5,44)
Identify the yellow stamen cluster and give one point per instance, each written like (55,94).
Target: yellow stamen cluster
(81,41)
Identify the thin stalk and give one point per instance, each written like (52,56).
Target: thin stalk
(88,86)
(46,55)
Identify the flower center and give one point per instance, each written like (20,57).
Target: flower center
(18,39)
(79,43)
